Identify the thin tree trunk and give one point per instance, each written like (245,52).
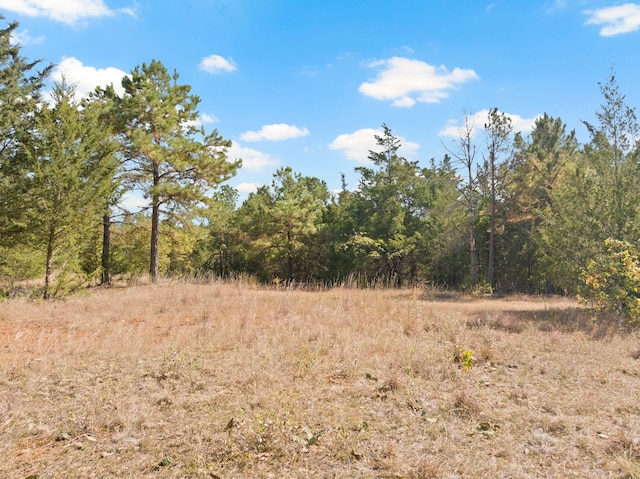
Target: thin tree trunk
(466,154)
(289,258)
(155,233)
(492,231)
(472,234)
(46,294)
(106,250)
(155,227)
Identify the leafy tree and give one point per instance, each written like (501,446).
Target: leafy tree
(169,158)
(612,282)
(71,164)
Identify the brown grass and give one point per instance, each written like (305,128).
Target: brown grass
(230,381)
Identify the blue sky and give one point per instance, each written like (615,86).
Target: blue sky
(306,83)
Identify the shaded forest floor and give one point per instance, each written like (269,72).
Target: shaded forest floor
(232,381)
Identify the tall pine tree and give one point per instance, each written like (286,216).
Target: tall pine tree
(168,156)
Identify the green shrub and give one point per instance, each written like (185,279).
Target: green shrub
(613,283)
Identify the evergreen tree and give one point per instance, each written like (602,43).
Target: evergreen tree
(71,164)
(169,158)
(216,252)
(599,197)
(444,253)
(130,246)
(497,132)
(390,212)
(106,104)
(20,93)
(339,225)
(613,156)
(280,223)
(538,169)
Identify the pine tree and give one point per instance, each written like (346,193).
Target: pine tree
(599,194)
(280,222)
(390,213)
(537,171)
(168,157)
(497,131)
(106,104)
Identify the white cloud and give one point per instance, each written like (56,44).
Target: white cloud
(409,149)
(252,160)
(217,64)
(133,202)
(206,118)
(65,11)
(23,38)
(478,120)
(87,78)
(454,130)
(615,20)
(554,6)
(356,145)
(275,132)
(406,81)
(203,119)
(247,188)
(522,125)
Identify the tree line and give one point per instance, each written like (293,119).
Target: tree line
(500,211)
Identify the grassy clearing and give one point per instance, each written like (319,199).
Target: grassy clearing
(229,381)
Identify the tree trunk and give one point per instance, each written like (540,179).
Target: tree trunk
(472,234)
(289,257)
(155,234)
(106,250)
(492,231)
(46,294)
(155,227)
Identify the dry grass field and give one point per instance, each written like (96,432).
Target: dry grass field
(233,381)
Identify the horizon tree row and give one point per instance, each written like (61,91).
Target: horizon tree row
(499,212)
